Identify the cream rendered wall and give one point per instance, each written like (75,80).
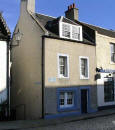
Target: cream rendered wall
(26,70)
(103,60)
(103,51)
(73,50)
(3,71)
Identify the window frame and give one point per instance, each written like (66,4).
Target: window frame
(67,107)
(60,76)
(87,58)
(113,62)
(106,87)
(71,26)
(65,100)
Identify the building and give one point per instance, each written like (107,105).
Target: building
(53,65)
(105,60)
(4,66)
(105,53)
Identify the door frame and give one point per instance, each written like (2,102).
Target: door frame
(84,110)
(88,98)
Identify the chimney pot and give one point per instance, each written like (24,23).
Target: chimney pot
(70,6)
(72,12)
(74,5)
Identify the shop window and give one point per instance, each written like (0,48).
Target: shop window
(109,90)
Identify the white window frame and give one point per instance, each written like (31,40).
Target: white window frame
(60,30)
(84,57)
(64,55)
(111,62)
(65,100)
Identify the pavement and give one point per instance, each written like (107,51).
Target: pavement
(26,124)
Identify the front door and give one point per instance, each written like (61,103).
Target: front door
(84,101)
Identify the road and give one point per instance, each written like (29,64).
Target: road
(99,123)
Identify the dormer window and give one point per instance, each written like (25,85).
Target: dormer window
(76,32)
(66,30)
(70,31)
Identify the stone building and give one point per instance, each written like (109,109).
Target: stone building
(53,65)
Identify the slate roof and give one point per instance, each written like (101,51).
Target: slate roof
(44,18)
(100,30)
(4,30)
(51,25)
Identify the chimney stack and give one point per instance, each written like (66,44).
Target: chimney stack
(72,12)
(31,6)
(27,5)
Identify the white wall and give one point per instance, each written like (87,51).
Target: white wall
(3,69)
(100,91)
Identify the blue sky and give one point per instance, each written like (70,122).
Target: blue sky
(96,12)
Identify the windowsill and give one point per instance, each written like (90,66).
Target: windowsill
(109,101)
(112,63)
(71,39)
(61,109)
(84,78)
(62,77)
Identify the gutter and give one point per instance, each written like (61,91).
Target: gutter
(70,40)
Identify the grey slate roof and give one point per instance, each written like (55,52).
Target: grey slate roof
(102,31)
(44,18)
(51,25)
(4,30)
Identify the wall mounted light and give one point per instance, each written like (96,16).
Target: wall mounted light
(17,37)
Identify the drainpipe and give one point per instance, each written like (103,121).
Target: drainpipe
(43,77)
(8,77)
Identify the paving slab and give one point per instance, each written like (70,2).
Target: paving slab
(25,124)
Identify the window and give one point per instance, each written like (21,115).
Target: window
(66,99)
(63,66)
(70,31)
(66,30)
(109,91)
(75,32)
(84,68)
(112,52)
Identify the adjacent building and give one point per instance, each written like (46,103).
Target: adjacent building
(105,53)
(4,66)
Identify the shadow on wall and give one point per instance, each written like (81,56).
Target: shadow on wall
(3,96)
(81,99)
(3,105)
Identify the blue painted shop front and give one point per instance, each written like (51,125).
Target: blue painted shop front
(80,94)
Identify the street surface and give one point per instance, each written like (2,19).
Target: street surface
(99,123)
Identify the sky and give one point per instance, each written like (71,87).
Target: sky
(96,12)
